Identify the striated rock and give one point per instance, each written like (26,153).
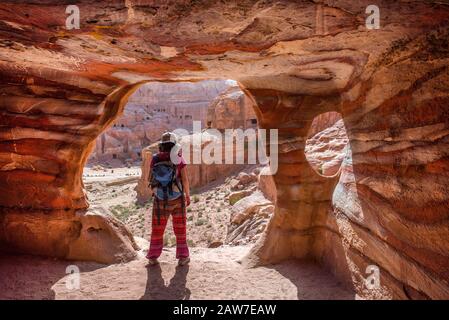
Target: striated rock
(249,218)
(324,121)
(243,208)
(60,89)
(326,149)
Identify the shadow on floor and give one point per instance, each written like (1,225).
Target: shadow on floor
(32,278)
(176,289)
(313,282)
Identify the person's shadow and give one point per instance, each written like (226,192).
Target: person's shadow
(176,289)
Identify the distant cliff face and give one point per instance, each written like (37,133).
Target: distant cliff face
(232,109)
(153,109)
(60,89)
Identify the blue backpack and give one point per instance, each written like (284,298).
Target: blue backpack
(164,178)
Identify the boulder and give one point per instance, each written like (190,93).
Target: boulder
(215,244)
(236,196)
(247,226)
(92,234)
(234,184)
(247,206)
(245,178)
(102,238)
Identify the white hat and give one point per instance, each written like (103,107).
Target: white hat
(169,137)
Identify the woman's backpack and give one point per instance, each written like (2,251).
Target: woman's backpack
(164,177)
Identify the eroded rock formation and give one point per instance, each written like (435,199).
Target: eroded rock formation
(296,59)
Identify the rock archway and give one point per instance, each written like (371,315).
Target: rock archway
(59,89)
(303,197)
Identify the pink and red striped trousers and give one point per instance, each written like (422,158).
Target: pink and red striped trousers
(178,213)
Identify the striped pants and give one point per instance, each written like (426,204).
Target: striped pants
(173,208)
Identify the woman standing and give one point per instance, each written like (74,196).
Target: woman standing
(171,195)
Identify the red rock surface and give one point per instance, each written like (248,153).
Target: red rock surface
(296,59)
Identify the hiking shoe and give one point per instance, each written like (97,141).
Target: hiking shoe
(183,261)
(152,262)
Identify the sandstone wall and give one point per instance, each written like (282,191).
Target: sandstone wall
(296,60)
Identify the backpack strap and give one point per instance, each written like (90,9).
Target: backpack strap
(180,186)
(158,210)
(156,200)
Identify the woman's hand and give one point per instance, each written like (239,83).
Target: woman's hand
(187,200)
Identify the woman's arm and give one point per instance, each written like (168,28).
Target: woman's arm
(149,182)
(185,184)
(145,179)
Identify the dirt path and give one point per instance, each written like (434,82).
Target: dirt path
(212,274)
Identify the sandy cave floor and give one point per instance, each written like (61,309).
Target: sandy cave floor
(212,274)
